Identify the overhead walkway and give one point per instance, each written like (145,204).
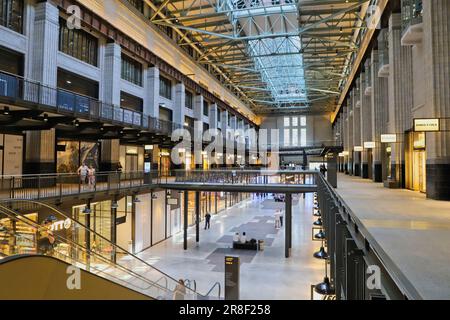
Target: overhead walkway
(73,245)
(55,187)
(411,230)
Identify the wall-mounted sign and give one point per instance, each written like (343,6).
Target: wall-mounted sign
(61,224)
(358,149)
(388,138)
(121,220)
(422,125)
(369,145)
(171,201)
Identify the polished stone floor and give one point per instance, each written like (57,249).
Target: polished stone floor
(264,274)
(414,231)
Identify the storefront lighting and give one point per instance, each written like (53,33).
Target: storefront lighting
(345,153)
(45,117)
(181,150)
(6,111)
(148,147)
(136,200)
(114,205)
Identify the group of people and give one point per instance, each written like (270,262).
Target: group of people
(240,238)
(87,174)
(278,219)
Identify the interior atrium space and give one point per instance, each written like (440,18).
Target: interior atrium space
(231,153)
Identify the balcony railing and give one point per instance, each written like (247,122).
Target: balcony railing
(15,88)
(412,13)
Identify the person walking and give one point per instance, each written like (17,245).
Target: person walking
(91,176)
(83,173)
(180,290)
(46,238)
(207,221)
(277,219)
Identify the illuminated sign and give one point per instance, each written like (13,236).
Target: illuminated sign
(341,155)
(345,153)
(422,125)
(358,148)
(369,145)
(60,225)
(388,138)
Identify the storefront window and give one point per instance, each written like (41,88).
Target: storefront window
(71,154)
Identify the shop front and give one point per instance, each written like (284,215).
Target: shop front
(71,154)
(415,161)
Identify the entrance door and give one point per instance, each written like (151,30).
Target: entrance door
(419,170)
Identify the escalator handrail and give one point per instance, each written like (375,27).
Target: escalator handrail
(152,283)
(217,284)
(90,230)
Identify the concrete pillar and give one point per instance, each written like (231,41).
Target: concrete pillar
(345,117)
(350,137)
(40,152)
(437,72)
(213,116)
(110,155)
(366,122)
(152,92)
(288,225)
(224,120)
(45,49)
(376,119)
(356,129)
(198,116)
(112,74)
(180,104)
(233,124)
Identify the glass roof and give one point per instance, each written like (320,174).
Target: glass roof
(278,59)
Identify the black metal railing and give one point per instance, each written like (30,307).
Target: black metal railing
(16,88)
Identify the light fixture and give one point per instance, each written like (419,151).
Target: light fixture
(68,82)
(86,210)
(325,288)
(102,129)
(321,254)
(320,235)
(45,117)
(154,196)
(318,222)
(6,111)
(114,205)
(317,213)
(136,200)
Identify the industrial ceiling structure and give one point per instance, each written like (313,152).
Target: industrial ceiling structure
(275,55)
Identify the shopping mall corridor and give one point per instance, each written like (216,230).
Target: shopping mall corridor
(264,274)
(411,229)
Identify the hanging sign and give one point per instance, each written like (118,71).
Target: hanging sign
(369,145)
(423,125)
(388,138)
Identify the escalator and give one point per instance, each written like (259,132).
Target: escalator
(38,237)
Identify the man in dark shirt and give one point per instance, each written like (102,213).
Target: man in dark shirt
(207,221)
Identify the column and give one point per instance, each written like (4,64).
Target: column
(350,133)
(288,225)
(356,129)
(345,136)
(198,127)
(112,74)
(197,216)
(213,116)
(180,104)
(40,152)
(437,73)
(45,49)
(185,219)
(376,100)
(366,121)
(152,92)
(110,155)
(400,98)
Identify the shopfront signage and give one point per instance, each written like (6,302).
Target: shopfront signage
(388,138)
(426,125)
(61,225)
(358,149)
(345,153)
(341,155)
(369,145)
(172,201)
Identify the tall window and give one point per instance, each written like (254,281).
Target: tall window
(294,131)
(205,108)
(131,70)
(189,100)
(78,43)
(165,88)
(11,14)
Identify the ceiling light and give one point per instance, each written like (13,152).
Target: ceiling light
(6,111)
(68,82)
(45,117)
